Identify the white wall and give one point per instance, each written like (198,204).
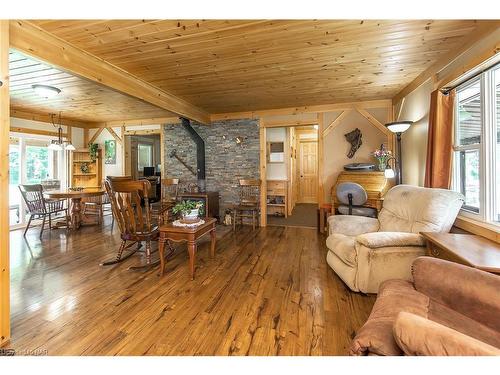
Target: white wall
(336,146)
(277,171)
(414,140)
(109,169)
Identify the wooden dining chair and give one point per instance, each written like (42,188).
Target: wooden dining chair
(132,211)
(249,205)
(39,207)
(162,210)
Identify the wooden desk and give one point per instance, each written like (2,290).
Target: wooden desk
(188,234)
(77,219)
(471,250)
(374,182)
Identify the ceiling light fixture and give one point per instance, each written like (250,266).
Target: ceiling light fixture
(58,144)
(46,91)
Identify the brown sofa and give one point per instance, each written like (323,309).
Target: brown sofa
(448,309)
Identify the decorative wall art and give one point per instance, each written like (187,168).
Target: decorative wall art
(110,152)
(354,138)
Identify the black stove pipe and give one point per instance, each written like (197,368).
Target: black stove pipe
(200,152)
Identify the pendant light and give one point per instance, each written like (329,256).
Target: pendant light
(58,144)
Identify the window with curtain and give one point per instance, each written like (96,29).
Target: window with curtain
(476,164)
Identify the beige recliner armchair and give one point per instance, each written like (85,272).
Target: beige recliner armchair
(364,251)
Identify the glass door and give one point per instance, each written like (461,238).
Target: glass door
(32,162)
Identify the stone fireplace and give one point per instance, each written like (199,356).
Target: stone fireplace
(226,160)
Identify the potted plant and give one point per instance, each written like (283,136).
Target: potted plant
(189,210)
(93,147)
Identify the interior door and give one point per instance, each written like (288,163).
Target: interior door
(308,172)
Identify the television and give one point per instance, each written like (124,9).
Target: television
(148,171)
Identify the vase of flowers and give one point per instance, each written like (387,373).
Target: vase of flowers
(189,210)
(382,155)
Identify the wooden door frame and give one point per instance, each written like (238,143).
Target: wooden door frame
(159,131)
(4,184)
(317,161)
(263,160)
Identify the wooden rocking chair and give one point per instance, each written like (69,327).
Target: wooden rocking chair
(134,218)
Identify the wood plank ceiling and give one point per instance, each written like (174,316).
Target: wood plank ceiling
(79,99)
(242,65)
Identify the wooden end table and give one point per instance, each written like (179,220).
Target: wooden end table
(468,249)
(169,232)
(325,210)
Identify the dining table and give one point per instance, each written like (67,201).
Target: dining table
(77,219)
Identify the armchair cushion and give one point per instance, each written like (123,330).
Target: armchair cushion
(352,225)
(395,296)
(343,247)
(416,335)
(390,239)
(473,293)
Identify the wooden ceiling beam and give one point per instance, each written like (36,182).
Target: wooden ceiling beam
(382,103)
(137,122)
(36,42)
(483,30)
(40,117)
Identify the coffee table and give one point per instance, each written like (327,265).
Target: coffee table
(169,232)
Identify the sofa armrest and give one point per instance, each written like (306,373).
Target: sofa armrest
(470,291)
(416,335)
(390,239)
(352,225)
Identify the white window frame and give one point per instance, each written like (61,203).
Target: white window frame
(487,149)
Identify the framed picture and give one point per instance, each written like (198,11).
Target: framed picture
(110,152)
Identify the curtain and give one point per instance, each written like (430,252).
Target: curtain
(440,140)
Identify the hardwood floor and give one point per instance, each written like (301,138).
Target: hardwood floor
(267,292)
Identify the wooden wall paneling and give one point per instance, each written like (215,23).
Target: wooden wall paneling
(263,174)
(34,41)
(114,135)
(95,135)
(334,123)
(373,120)
(4,184)
(85,137)
(321,134)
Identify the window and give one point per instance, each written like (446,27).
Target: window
(476,171)
(144,156)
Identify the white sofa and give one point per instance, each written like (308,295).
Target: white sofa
(364,251)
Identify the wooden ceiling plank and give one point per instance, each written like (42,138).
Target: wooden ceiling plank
(36,42)
(483,30)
